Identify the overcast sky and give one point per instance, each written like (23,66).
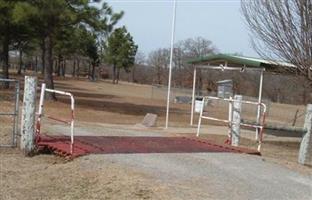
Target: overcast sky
(149,21)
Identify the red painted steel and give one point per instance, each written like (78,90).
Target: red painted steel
(127,144)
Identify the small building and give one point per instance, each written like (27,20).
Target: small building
(225,88)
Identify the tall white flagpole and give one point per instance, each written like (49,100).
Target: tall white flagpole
(171,57)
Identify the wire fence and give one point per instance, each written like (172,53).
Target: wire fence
(282,115)
(9,106)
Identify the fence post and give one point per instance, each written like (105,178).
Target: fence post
(236,119)
(305,151)
(28,115)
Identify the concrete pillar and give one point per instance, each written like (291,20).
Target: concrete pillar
(305,152)
(236,119)
(28,115)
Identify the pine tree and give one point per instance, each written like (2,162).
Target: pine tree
(120,52)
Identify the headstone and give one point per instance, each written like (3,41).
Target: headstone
(183,99)
(149,120)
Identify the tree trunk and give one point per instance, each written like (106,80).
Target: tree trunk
(93,72)
(19,72)
(133,74)
(55,63)
(74,68)
(158,75)
(43,53)
(36,63)
(5,67)
(78,67)
(48,72)
(59,62)
(63,68)
(114,74)
(118,73)
(89,71)
(200,82)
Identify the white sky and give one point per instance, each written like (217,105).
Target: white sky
(221,21)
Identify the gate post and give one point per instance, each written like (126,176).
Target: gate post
(236,120)
(28,115)
(305,151)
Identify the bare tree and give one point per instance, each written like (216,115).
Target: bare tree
(139,60)
(195,48)
(159,60)
(283,29)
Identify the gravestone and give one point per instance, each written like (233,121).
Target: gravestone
(149,120)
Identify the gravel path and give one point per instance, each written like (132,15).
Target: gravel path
(205,175)
(218,175)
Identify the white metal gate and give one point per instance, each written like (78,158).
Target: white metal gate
(258,126)
(41,114)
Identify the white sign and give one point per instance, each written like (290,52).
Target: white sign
(198,106)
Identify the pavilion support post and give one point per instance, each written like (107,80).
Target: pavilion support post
(193,96)
(259,101)
(305,151)
(28,115)
(236,120)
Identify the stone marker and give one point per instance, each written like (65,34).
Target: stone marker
(305,152)
(149,120)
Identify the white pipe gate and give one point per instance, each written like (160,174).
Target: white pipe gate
(230,122)
(40,113)
(224,68)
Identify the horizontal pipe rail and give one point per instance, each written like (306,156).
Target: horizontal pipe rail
(59,120)
(270,126)
(229,121)
(223,68)
(11,114)
(8,80)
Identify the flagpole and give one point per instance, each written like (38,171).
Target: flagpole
(171,58)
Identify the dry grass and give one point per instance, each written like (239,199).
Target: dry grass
(87,177)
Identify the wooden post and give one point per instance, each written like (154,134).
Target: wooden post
(28,115)
(236,119)
(305,152)
(295,118)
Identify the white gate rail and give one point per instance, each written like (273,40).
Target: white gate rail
(70,122)
(230,121)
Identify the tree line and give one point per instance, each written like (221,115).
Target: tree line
(84,33)
(63,29)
